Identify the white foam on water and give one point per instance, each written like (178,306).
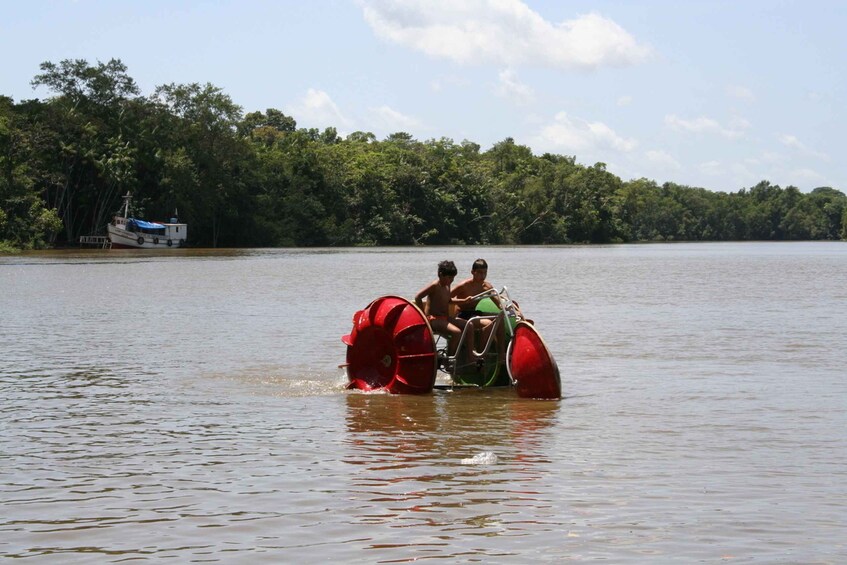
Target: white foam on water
(484,458)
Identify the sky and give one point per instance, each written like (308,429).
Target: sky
(718,94)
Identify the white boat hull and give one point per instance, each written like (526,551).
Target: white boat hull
(124,239)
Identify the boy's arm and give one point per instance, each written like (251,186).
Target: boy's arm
(488,286)
(424,292)
(458,288)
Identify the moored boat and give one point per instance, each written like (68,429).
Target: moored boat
(125,232)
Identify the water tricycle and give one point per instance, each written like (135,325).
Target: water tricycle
(392,347)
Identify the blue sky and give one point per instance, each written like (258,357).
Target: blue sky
(719,94)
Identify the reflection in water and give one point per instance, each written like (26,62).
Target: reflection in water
(409,457)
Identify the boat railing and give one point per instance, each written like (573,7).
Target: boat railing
(100,241)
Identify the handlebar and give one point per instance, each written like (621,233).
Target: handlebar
(492,292)
(502,297)
(485,294)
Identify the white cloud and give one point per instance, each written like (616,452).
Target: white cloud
(504,32)
(624,101)
(738,124)
(573,135)
(533,119)
(316,109)
(765,158)
(711,168)
(708,125)
(443,83)
(662,159)
(794,143)
(806,177)
(509,87)
(742,174)
(392,121)
(741,93)
(791,141)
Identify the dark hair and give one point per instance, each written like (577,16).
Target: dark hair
(479,264)
(447,268)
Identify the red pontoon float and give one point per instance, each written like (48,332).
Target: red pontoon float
(392,347)
(531,365)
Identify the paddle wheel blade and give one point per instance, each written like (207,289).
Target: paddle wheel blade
(361,319)
(531,365)
(391,347)
(414,374)
(386,310)
(414,339)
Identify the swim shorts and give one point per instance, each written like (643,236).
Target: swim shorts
(468,314)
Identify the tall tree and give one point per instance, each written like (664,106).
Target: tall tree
(25,222)
(206,130)
(93,159)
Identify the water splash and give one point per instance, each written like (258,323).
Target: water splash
(484,458)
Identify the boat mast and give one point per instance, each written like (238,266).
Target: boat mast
(126,198)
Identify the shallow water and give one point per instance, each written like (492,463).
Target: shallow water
(188,405)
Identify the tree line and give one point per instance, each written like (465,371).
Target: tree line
(256,179)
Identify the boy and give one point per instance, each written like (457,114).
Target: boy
(437,294)
(471,287)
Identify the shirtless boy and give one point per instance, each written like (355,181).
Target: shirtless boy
(471,287)
(437,294)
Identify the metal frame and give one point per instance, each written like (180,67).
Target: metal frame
(448,363)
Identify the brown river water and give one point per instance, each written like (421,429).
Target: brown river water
(188,406)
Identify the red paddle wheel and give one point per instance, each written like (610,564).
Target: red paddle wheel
(391,347)
(531,365)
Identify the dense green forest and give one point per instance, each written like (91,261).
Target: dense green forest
(256,179)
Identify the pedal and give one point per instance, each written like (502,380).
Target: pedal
(445,361)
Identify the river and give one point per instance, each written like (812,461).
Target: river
(188,405)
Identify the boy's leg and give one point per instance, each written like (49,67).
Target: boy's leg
(445,328)
(486,326)
(501,339)
(455,327)
(470,344)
